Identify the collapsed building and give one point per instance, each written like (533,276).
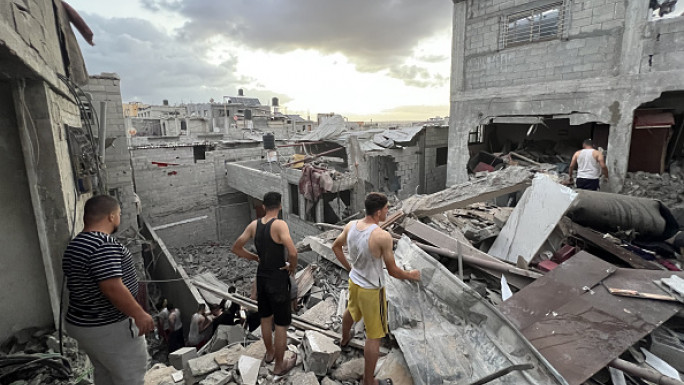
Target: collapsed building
(543,75)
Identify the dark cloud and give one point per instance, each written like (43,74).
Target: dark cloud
(374,35)
(154,66)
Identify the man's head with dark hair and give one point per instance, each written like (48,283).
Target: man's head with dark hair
(170,307)
(374,203)
(102,209)
(232,289)
(201,308)
(588,143)
(272,200)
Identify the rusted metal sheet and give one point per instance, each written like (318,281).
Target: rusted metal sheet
(572,319)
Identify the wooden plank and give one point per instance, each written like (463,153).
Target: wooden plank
(596,238)
(638,294)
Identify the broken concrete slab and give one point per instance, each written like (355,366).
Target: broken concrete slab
(351,370)
(395,368)
(229,356)
(203,365)
(307,378)
(249,369)
(256,350)
(321,313)
(328,381)
(159,374)
(449,333)
(541,208)
(494,184)
(180,357)
(217,378)
(320,352)
(226,335)
(321,247)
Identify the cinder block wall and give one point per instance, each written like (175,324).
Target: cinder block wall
(591,47)
(435,177)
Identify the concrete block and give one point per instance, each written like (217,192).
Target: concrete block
(229,356)
(203,365)
(349,371)
(227,335)
(180,357)
(217,378)
(249,369)
(307,378)
(320,352)
(256,350)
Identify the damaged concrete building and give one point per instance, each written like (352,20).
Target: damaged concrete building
(553,72)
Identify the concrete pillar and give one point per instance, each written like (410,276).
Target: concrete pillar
(461,122)
(319,210)
(458,46)
(619,142)
(636,16)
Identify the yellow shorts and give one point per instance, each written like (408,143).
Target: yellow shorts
(371,305)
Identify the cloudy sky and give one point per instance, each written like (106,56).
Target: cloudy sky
(380,59)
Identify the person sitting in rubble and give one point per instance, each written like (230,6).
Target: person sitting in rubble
(271,238)
(163,320)
(223,315)
(175,330)
(199,325)
(369,248)
(590,165)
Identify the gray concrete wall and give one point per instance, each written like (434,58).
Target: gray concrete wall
(180,201)
(119,174)
(25,292)
(435,176)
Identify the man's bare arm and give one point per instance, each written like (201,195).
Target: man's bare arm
(118,294)
(339,242)
(239,245)
(602,163)
(573,164)
(284,238)
(386,244)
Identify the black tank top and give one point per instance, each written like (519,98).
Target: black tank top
(271,254)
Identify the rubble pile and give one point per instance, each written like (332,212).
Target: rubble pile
(218,260)
(510,292)
(32,357)
(666,187)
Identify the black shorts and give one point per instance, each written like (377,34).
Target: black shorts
(587,184)
(273,298)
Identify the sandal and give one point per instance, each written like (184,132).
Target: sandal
(339,343)
(293,360)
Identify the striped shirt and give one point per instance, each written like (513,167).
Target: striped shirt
(92,257)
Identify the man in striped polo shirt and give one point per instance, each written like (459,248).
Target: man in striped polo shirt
(103,315)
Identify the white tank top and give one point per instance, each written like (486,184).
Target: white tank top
(587,166)
(366,269)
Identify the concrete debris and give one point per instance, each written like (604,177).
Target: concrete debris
(666,187)
(249,369)
(229,356)
(308,378)
(218,378)
(447,331)
(534,218)
(322,313)
(394,367)
(320,352)
(28,344)
(217,259)
(493,185)
(202,365)
(160,374)
(328,381)
(180,357)
(256,350)
(349,371)
(226,335)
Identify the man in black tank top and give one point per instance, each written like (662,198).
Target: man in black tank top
(271,238)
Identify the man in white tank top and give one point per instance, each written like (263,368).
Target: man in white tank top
(370,247)
(590,165)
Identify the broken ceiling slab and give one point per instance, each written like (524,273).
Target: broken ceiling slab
(574,321)
(210,279)
(533,220)
(495,184)
(449,334)
(322,247)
